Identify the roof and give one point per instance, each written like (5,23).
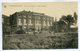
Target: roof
(4,16)
(33,13)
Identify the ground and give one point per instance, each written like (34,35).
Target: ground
(41,41)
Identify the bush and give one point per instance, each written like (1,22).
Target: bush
(20,32)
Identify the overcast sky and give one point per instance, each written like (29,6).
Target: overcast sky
(54,9)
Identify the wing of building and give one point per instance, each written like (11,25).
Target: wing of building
(5,24)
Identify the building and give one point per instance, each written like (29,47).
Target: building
(5,24)
(30,21)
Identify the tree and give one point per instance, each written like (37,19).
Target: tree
(63,18)
(68,20)
(75,17)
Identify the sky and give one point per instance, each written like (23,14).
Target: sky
(53,9)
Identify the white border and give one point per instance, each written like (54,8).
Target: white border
(0,25)
(40,1)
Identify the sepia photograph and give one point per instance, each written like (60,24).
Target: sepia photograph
(39,25)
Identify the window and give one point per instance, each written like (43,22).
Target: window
(38,17)
(19,16)
(51,22)
(29,21)
(24,27)
(24,16)
(19,22)
(24,21)
(30,17)
(44,23)
(48,23)
(39,21)
(44,18)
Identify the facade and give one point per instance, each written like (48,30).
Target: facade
(30,21)
(5,20)
(6,24)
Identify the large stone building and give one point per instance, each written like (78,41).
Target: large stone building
(30,21)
